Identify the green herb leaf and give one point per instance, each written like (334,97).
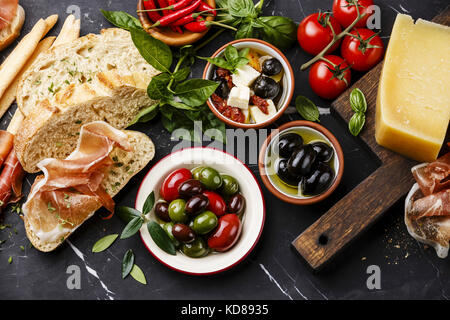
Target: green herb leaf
(10,260)
(231,53)
(242,8)
(126,214)
(127,263)
(161,238)
(246,30)
(146,114)
(149,203)
(180,105)
(307,109)
(132,228)
(358,101)
(154,51)
(195,92)
(219,62)
(182,74)
(279,31)
(138,275)
(157,88)
(122,20)
(104,243)
(356,123)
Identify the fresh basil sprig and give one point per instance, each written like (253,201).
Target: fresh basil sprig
(307,109)
(358,104)
(232,59)
(122,19)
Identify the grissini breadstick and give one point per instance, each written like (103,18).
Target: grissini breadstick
(69,32)
(10,94)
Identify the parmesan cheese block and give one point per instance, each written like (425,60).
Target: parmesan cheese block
(413,103)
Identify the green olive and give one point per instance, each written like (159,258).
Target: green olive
(210,178)
(230,186)
(196,172)
(196,249)
(205,222)
(168,229)
(177,211)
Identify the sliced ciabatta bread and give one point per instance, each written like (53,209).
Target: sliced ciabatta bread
(48,225)
(12,31)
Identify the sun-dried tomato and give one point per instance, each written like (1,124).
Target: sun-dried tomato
(237,115)
(225,74)
(261,103)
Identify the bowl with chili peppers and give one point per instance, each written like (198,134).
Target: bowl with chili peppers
(256,83)
(177,22)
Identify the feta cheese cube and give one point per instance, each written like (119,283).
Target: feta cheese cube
(245,76)
(259,116)
(239,97)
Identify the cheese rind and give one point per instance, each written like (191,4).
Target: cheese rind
(413,103)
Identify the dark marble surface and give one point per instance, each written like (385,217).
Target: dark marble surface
(273,270)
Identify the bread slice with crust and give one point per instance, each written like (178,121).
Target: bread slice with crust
(95,78)
(11,32)
(130,164)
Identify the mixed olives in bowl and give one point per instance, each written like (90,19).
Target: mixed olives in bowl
(200,210)
(302,163)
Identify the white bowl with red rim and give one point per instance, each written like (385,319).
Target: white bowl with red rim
(252,220)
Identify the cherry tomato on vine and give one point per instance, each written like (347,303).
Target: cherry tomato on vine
(314,32)
(329,80)
(345,11)
(363,50)
(226,233)
(169,188)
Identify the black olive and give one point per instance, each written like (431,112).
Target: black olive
(266,88)
(287,144)
(319,180)
(215,77)
(302,161)
(196,204)
(324,151)
(162,211)
(190,188)
(271,67)
(284,174)
(223,90)
(183,233)
(236,204)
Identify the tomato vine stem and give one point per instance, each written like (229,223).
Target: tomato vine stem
(336,38)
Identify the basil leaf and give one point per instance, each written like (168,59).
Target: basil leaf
(195,92)
(279,31)
(154,51)
(358,101)
(161,238)
(157,88)
(182,74)
(356,123)
(231,53)
(132,228)
(219,62)
(307,109)
(242,8)
(146,114)
(138,275)
(104,243)
(127,263)
(244,52)
(246,30)
(180,105)
(122,20)
(240,62)
(126,214)
(149,203)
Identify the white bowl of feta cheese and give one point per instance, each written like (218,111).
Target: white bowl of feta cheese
(256,83)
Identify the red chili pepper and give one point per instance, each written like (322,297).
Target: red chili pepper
(153,15)
(197,26)
(189,18)
(177,15)
(205,7)
(174,28)
(177,6)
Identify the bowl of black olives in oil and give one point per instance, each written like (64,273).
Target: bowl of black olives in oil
(301,163)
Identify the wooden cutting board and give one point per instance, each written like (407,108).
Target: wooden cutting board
(365,204)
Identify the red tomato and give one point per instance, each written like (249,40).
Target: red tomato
(314,34)
(363,52)
(330,81)
(169,188)
(216,203)
(346,13)
(226,233)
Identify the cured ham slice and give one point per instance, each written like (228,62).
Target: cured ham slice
(435,205)
(6,144)
(433,177)
(70,190)
(8,10)
(11,180)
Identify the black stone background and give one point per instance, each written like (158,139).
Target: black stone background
(408,270)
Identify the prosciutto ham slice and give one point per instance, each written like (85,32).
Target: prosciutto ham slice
(70,190)
(433,177)
(8,10)
(11,180)
(6,144)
